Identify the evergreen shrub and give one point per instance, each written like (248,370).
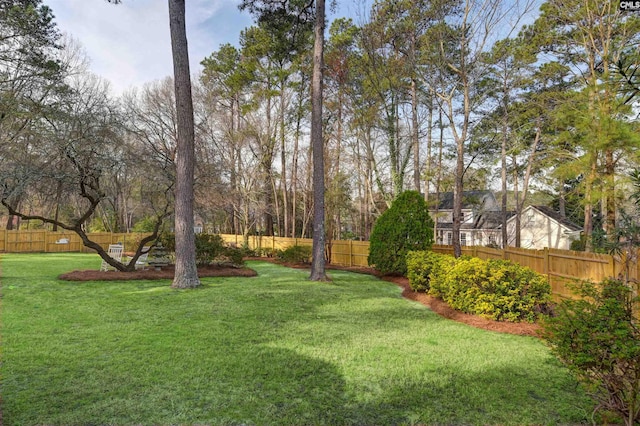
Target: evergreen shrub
(208,248)
(404,227)
(295,254)
(421,265)
(495,289)
(598,338)
(235,255)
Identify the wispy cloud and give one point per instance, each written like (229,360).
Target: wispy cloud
(129,44)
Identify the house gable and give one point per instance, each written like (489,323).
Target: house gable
(542,227)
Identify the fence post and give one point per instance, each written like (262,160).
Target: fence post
(546,261)
(350,253)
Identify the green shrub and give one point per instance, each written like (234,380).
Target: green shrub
(513,293)
(420,267)
(496,289)
(208,248)
(295,254)
(235,255)
(439,274)
(146,224)
(406,226)
(597,337)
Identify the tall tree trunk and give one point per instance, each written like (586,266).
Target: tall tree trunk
(503,172)
(283,163)
(318,262)
(414,134)
(338,155)
(186,272)
(439,176)
(429,163)
(267,162)
(588,206)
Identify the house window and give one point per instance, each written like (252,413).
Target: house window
(449,238)
(461,217)
(463,238)
(492,240)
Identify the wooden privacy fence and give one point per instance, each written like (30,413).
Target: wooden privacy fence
(342,252)
(43,241)
(561,266)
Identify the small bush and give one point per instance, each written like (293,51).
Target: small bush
(208,248)
(404,227)
(597,337)
(235,255)
(420,267)
(439,274)
(295,254)
(496,289)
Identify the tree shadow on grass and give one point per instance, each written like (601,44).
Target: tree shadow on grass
(488,398)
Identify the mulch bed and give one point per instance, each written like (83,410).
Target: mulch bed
(436,305)
(166,272)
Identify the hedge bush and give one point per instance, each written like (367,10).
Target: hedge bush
(495,289)
(295,254)
(209,248)
(421,265)
(404,227)
(598,338)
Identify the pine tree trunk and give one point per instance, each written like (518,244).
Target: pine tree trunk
(318,263)
(186,273)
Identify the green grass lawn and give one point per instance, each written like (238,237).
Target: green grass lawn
(275,349)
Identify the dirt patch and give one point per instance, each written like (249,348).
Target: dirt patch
(166,272)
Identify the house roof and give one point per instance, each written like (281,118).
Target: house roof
(486,220)
(471,200)
(490,220)
(548,211)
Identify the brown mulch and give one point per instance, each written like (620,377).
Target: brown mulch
(166,272)
(436,305)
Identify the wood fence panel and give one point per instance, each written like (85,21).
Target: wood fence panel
(360,253)
(442,249)
(488,253)
(31,241)
(532,259)
(341,253)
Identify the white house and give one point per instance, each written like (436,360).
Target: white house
(542,227)
(481,219)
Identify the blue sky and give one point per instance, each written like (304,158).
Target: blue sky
(129,44)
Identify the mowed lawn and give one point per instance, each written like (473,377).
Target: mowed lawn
(275,349)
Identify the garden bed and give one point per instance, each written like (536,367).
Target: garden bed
(167,272)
